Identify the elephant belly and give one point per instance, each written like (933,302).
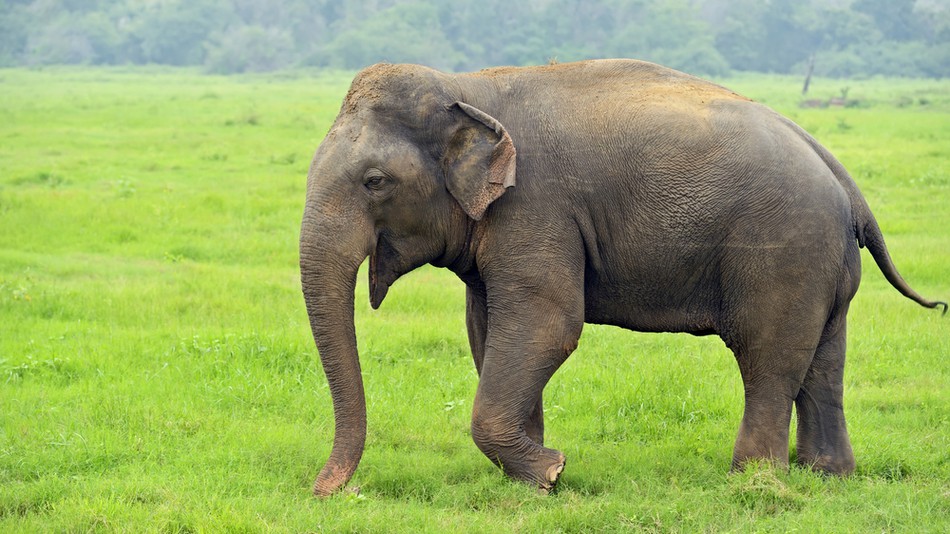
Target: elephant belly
(673,300)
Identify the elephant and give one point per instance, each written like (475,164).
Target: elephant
(614,192)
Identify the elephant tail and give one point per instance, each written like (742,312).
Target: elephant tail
(873,239)
(866,229)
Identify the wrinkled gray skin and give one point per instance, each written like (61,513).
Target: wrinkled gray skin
(613,192)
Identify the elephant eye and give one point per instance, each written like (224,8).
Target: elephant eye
(375,181)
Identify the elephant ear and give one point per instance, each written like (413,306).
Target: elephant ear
(479,163)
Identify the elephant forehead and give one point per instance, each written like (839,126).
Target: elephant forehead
(366,122)
(353,146)
(346,130)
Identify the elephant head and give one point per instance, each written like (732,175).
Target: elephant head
(403,176)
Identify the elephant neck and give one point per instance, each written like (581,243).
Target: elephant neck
(460,254)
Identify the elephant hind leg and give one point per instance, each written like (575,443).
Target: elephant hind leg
(769,394)
(774,351)
(822,441)
(807,370)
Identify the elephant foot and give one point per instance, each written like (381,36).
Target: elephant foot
(841,464)
(542,473)
(760,448)
(552,476)
(519,456)
(767,446)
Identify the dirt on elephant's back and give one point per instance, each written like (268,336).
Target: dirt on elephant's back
(687,96)
(617,83)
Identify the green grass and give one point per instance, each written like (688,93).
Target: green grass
(157,371)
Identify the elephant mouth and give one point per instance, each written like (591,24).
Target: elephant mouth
(381,272)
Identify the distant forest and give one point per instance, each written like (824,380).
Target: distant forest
(846,38)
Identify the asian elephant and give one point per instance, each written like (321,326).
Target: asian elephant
(616,192)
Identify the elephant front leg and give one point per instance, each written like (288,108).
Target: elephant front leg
(504,405)
(476,322)
(523,350)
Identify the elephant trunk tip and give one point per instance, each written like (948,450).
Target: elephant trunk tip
(325,487)
(334,475)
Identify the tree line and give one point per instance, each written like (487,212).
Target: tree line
(844,38)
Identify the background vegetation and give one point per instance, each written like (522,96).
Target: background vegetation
(848,38)
(157,373)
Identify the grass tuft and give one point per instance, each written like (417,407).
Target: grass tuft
(760,488)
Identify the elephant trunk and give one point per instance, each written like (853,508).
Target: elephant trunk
(328,278)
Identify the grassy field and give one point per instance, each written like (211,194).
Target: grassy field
(157,372)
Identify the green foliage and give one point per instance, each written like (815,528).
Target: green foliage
(157,372)
(408,32)
(849,39)
(174,32)
(248,49)
(670,33)
(912,58)
(894,18)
